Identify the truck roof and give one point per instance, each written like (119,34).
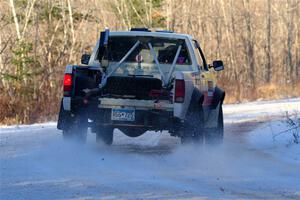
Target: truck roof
(153,34)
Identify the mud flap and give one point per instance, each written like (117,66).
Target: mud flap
(211,116)
(219,96)
(211,112)
(64,118)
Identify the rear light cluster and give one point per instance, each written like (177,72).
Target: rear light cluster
(179,91)
(68,84)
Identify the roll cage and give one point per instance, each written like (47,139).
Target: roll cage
(103,54)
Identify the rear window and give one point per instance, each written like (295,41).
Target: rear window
(165,50)
(145,55)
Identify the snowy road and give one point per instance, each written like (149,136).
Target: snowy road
(36,164)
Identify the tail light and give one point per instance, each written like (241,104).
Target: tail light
(67,84)
(179,91)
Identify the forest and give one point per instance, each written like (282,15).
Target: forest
(258,41)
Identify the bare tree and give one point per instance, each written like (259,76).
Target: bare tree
(16,21)
(72,29)
(268,50)
(249,45)
(290,27)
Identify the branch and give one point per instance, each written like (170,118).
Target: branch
(120,13)
(136,12)
(5,45)
(296,127)
(72,29)
(13,10)
(28,13)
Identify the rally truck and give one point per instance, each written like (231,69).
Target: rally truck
(142,80)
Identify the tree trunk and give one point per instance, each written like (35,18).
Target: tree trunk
(250,48)
(15,18)
(72,30)
(289,41)
(234,45)
(269,51)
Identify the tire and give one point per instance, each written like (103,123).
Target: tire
(214,136)
(105,135)
(77,130)
(192,130)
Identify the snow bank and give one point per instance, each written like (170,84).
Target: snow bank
(236,113)
(273,139)
(21,128)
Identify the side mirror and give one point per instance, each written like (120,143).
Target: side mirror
(218,65)
(85,58)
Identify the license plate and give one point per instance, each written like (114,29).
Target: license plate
(123,114)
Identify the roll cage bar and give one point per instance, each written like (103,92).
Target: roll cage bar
(105,76)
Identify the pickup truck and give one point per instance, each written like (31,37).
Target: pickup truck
(142,80)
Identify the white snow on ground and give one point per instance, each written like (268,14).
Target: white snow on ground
(236,113)
(36,164)
(16,128)
(273,139)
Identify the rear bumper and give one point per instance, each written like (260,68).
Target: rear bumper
(149,114)
(148,119)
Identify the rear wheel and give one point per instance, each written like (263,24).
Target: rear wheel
(77,130)
(215,135)
(105,135)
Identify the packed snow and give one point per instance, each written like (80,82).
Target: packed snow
(258,160)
